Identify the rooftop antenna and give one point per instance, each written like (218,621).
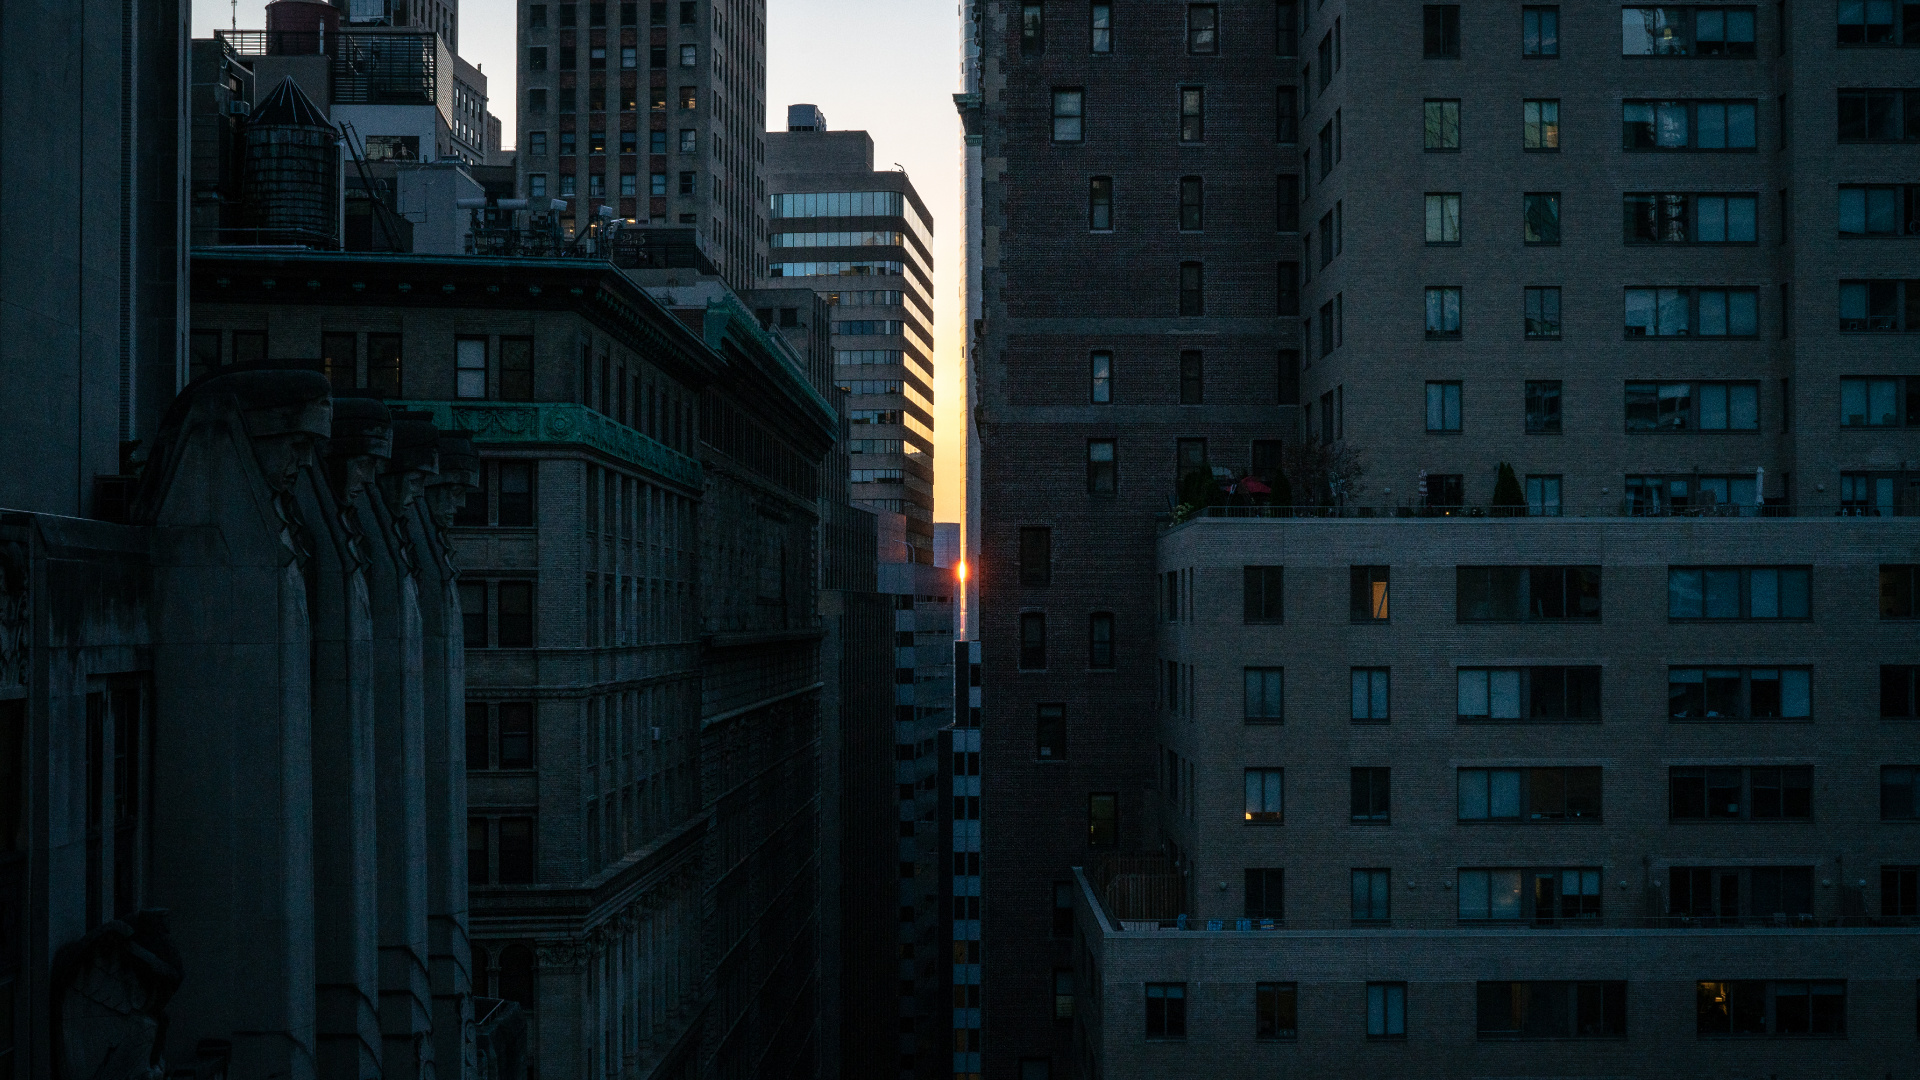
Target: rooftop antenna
(235,6)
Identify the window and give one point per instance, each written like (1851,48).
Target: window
(537,58)
(1758,1007)
(515,853)
(1873,22)
(1899,792)
(1540,31)
(1193,114)
(1543,403)
(1102,477)
(1102,28)
(1898,699)
(1276,1010)
(1899,892)
(1263,594)
(1552,1010)
(1540,217)
(1691,312)
(657,185)
(1190,203)
(1540,794)
(597,58)
(1543,495)
(1266,894)
(688,13)
(1100,203)
(537,143)
(1443,217)
(514,621)
(1368,593)
(1287,115)
(1192,293)
(686,186)
(1100,640)
(1693,406)
(1203,25)
(1443,312)
(1067,112)
(1736,592)
(1371,700)
(537,16)
(1738,693)
(1875,306)
(1287,288)
(1264,797)
(689,140)
(1441,37)
(1286,35)
(1443,406)
(1033,640)
(1264,693)
(1387,1002)
(1050,739)
(1033,26)
(1885,210)
(1101,388)
(1649,218)
(1371,799)
(1687,31)
(1103,820)
(1899,590)
(1538,694)
(1063,909)
(1036,554)
(1442,127)
(1526,593)
(1540,124)
(689,56)
(1539,895)
(1063,995)
(1687,125)
(1166,1010)
(1286,206)
(470,367)
(1729,894)
(1733,792)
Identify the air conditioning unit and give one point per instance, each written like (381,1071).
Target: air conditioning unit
(236,107)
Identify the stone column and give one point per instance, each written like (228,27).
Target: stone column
(444,645)
(406,998)
(345,867)
(232,771)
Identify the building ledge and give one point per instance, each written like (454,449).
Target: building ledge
(495,423)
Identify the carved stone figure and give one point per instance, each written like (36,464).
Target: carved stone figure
(110,994)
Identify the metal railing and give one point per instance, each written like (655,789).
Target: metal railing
(1193,924)
(1614,510)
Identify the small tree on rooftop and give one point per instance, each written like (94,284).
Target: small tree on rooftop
(1507,492)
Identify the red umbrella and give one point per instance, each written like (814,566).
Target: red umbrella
(1255,487)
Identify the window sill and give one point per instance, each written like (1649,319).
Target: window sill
(1691,149)
(1444,431)
(1740,719)
(1277,1038)
(1544,431)
(1671,820)
(1264,822)
(1369,821)
(1358,722)
(1166,1038)
(1443,243)
(1479,721)
(1386,1038)
(1528,821)
(1443,337)
(1540,150)
(1494,1036)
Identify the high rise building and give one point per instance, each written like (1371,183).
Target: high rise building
(861,238)
(1561,627)
(652,110)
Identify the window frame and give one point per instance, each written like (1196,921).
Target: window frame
(1075,119)
(1440,125)
(1263,694)
(1377,594)
(1744,808)
(1529,689)
(1743,587)
(1526,781)
(1370,795)
(1266,786)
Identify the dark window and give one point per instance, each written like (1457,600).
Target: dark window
(1203,28)
(1727,895)
(1286,111)
(1100,639)
(515,621)
(1193,114)
(1740,793)
(1068,112)
(1286,28)
(1192,378)
(1543,313)
(1552,1010)
(1050,743)
(516,492)
(1368,593)
(516,369)
(1287,362)
(1032,29)
(1539,794)
(1371,796)
(1266,894)
(1387,1002)
(1287,276)
(1103,820)
(1538,894)
(1442,31)
(477,738)
(1102,477)
(537,58)
(1739,693)
(1526,593)
(1263,594)
(1443,406)
(1191,190)
(1738,1007)
(1264,693)
(1877,306)
(1286,203)
(516,735)
(1899,892)
(1100,203)
(1687,31)
(1192,295)
(1102,27)
(1276,1010)
(479,865)
(1036,555)
(1033,640)
(1543,407)
(337,357)
(1266,803)
(1063,909)
(536,16)
(473,613)
(1898,700)
(1541,217)
(1166,1010)
(1443,312)
(1899,590)
(383,364)
(1899,792)
(1688,125)
(1540,31)
(689,12)
(516,851)
(1545,693)
(1372,690)
(1100,390)
(1739,592)
(1372,895)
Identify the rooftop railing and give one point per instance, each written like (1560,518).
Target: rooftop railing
(1773,509)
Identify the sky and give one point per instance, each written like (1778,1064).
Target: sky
(887,66)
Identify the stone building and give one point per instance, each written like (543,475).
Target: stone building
(639,583)
(860,238)
(1481,340)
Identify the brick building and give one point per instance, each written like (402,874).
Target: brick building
(1636,258)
